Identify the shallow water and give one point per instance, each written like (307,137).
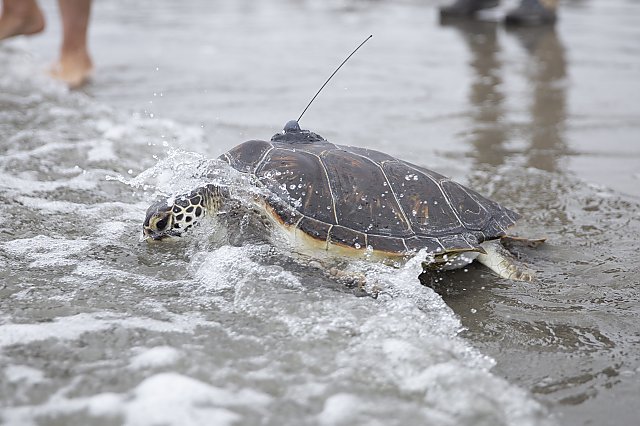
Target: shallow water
(96,327)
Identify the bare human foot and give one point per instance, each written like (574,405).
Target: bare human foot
(20,17)
(73,68)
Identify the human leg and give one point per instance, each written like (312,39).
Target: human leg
(74,66)
(20,17)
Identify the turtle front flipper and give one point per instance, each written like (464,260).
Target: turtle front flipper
(502,262)
(354,282)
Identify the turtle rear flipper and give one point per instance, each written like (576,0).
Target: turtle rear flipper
(503,263)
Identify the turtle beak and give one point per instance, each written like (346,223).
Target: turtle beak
(151,237)
(148,240)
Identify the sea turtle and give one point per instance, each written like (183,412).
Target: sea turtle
(331,200)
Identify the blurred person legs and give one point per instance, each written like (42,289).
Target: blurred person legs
(528,12)
(545,71)
(466,8)
(20,17)
(487,113)
(74,66)
(24,17)
(533,12)
(495,122)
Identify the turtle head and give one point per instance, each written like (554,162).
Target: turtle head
(172,217)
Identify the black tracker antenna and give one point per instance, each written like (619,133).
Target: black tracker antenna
(331,76)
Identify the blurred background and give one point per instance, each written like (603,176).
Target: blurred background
(560,98)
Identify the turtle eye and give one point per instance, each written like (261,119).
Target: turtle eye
(161,224)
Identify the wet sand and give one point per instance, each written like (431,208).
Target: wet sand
(544,120)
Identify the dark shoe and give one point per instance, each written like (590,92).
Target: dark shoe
(529,13)
(466,8)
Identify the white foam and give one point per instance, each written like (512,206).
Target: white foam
(160,356)
(230,267)
(180,171)
(110,229)
(177,400)
(45,251)
(65,328)
(106,404)
(51,206)
(23,373)
(446,386)
(407,341)
(341,408)
(174,399)
(168,398)
(112,130)
(102,152)
(30,185)
(72,327)
(400,286)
